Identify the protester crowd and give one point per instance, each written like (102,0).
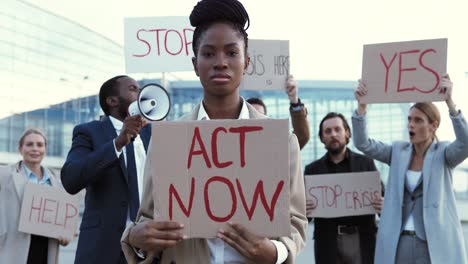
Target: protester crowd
(413,219)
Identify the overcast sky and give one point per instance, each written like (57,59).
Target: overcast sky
(326,37)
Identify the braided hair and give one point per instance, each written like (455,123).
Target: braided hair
(208,12)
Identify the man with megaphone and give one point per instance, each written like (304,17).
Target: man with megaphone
(107,158)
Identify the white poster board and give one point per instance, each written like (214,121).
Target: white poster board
(269,65)
(342,194)
(404,71)
(49,211)
(158,44)
(209,173)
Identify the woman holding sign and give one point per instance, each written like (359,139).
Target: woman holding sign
(16,246)
(419,222)
(220,48)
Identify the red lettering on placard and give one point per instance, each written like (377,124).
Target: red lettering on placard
(187,44)
(357,203)
(329,195)
(173,193)
(314,199)
(181,43)
(165,41)
(50,211)
(259,191)
(35,208)
(436,75)
(69,215)
(157,38)
(214,149)
(144,41)
(242,131)
(387,68)
(207,200)
(45,209)
(202,150)
(366,199)
(401,70)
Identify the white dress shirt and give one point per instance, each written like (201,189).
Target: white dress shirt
(32,177)
(221,252)
(140,156)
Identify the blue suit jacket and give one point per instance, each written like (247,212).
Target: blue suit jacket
(92,164)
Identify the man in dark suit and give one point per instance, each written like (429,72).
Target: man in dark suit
(343,239)
(107,158)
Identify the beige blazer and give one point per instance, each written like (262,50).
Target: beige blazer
(196,250)
(14,245)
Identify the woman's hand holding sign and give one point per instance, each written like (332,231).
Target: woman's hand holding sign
(254,248)
(155,236)
(446,87)
(361,91)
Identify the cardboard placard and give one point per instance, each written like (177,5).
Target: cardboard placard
(269,65)
(342,194)
(208,173)
(404,71)
(158,44)
(49,211)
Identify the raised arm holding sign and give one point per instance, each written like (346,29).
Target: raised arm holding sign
(419,217)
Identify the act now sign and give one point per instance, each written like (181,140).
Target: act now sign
(208,173)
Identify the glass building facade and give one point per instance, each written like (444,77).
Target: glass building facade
(41,52)
(387,122)
(45,60)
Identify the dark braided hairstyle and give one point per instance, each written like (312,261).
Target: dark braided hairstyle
(207,12)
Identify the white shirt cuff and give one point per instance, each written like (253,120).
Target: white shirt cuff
(140,253)
(117,153)
(281,251)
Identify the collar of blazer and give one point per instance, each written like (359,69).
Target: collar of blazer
(253,114)
(20,179)
(404,161)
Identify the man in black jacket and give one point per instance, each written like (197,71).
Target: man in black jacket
(343,239)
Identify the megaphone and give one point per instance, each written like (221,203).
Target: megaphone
(153,103)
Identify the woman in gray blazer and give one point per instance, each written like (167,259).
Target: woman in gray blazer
(419,222)
(16,246)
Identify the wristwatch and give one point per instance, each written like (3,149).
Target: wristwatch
(297,106)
